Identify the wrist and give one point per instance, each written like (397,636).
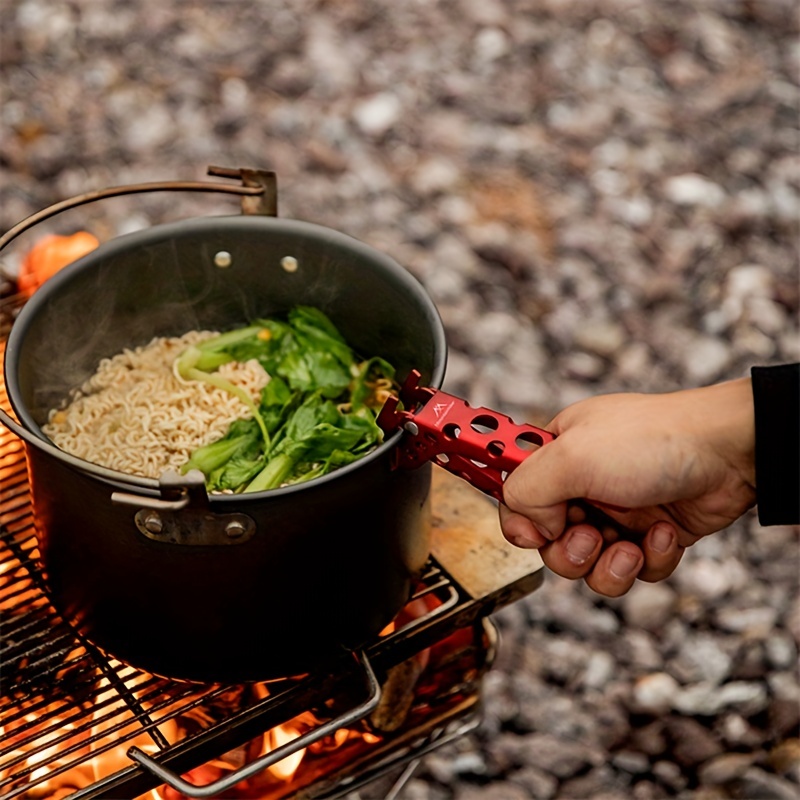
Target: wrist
(728,425)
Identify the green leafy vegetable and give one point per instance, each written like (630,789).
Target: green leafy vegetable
(316,414)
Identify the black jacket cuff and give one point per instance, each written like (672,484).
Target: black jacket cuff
(776,397)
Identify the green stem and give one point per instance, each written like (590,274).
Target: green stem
(187,370)
(273,475)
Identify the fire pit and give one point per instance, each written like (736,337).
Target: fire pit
(78,723)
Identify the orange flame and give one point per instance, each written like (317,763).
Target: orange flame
(49,255)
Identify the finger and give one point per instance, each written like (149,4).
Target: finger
(519,530)
(539,489)
(573,555)
(616,569)
(662,552)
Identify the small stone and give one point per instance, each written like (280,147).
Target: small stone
(785,757)
(649,605)
(603,338)
(536,782)
(649,739)
(692,743)
(638,649)
(645,789)
(654,694)
(670,774)
(706,358)
(496,790)
(707,699)
(631,761)
(435,175)
(470,763)
(753,621)
(701,658)
(706,578)
(599,670)
(694,190)
(560,757)
(583,366)
(758,783)
(725,768)
(601,783)
(377,114)
(738,732)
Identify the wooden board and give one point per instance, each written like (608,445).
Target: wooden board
(467,540)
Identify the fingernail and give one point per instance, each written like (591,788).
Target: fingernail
(623,564)
(661,538)
(580,546)
(543,531)
(523,542)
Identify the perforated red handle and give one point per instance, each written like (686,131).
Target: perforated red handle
(477,444)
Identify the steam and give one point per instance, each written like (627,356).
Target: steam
(145,284)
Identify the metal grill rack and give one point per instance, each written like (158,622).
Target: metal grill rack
(55,688)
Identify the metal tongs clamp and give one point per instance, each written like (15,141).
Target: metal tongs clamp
(477,444)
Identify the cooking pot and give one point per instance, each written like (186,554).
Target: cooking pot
(223,587)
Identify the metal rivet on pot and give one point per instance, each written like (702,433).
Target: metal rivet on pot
(153,523)
(223,259)
(235,529)
(289,264)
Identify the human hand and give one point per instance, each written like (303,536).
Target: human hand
(664,469)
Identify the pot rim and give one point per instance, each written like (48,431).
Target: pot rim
(28,430)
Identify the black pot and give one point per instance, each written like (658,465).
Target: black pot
(228,587)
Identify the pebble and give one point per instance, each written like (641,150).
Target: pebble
(654,694)
(600,668)
(752,621)
(708,579)
(707,699)
(376,115)
(557,756)
(759,783)
(725,768)
(694,190)
(649,605)
(781,650)
(706,358)
(536,782)
(702,658)
(692,742)
(602,338)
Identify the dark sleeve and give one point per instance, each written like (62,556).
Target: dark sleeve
(776,396)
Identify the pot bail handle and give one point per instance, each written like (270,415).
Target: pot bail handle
(259,193)
(188,789)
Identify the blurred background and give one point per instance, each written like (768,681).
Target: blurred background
(598,196)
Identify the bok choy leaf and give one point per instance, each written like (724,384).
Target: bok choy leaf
(316,413)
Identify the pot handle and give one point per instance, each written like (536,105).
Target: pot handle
(274,756)
(259,193)
(480,445)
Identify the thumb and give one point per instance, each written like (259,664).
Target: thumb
(541,485)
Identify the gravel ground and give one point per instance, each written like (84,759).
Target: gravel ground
(599,196)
